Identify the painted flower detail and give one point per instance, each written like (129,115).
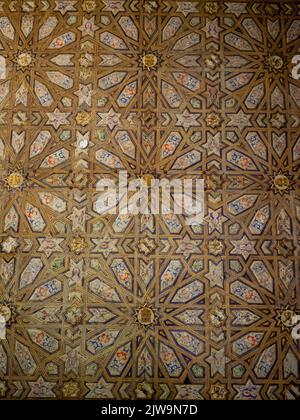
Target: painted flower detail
(146,316)
(218,391)
(74,315)
(150,60)
(71,389)
(15,180)
(213,120)
(83,118)
(89,6)
(24,60)
(216,247)
(276,63)
(211,7)
(282,183)
(286,318)
(78,245)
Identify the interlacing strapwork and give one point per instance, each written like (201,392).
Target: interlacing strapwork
(118,306)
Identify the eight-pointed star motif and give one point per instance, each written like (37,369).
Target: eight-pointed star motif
(212,29)
(105,245)
(41,389)
(76,272)
(84,93)
(57,118)
(100,390)
(215,274)
(217,361)
(244,247)
(78,218)
(248,391)
(215,220)
(213,144)
(88,27)
(114,6)
(188,246)
(49,245)
(187,120)
(110,119)
(72,359)
(64,6)
(240,120)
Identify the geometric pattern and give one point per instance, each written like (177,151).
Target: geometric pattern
(128,307)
